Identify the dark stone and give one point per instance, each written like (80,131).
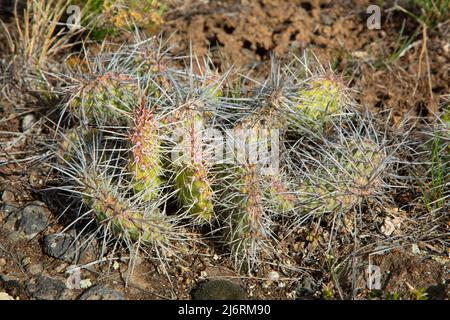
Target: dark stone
(100,292)
(219,289)
(13,287)
(60,246)
(437,292)
(46,288)
(306,290)
(32,219)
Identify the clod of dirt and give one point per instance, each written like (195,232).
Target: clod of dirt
(33,219)
(219,289)
(100,292)
(46,288)
(60,246)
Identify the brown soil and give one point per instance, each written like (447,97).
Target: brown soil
(245,34)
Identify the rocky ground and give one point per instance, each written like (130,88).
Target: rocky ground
(389,70)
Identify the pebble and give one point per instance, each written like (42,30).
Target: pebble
(101,292)
(46,288)
(2,262)
(219,289)
(85,283)
(7,209)
(28,121)
(34,268)
(8,196)
(33,219)
(60,246)
(5,296)
(274,276)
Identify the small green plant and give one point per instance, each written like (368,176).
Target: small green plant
(435,179)
(418,294)
(428,12)
(403,43)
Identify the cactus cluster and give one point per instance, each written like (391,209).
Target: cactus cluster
(144,169)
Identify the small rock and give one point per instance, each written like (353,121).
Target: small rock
(34,268)
(306,289)
(2,262)
(46,288)
(219,289)
(274,276)
(8,196)
(33,219)
(5,296)
(415,248)
(100,292)
(60,246)
(85,283)
(27,122)
(7,210)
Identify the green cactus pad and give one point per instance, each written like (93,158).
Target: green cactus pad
(320,101)
(351,175)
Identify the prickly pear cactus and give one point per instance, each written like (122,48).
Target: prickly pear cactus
(154,120)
